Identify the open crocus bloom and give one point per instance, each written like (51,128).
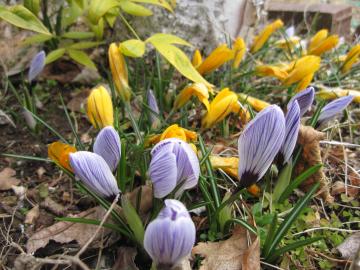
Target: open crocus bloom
(95,173)
(100,108)
(170,237)
(334,108)
(259,143)
(36,66)
(107,145)
(304,99)
(199,90)
(174,131)
(173,162)
(321,42)
(59,152)
(265,34)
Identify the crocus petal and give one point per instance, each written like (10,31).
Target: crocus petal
(292,126)
(318,38)
(197,59)
(108,146)
(199,90)
(265,34)
(325,45)
(217,58)
(333,108)
(170,237)
(304,98)
(273,71)
(304,83)
(256,103)
(239,47)
(351,58)
(259,144)
(36,66)
(95,173)
(336,92)
(59,152)
(152,103)
(303,67)
(290,31)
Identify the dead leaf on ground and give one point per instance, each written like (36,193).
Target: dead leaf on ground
(65,232)
(350,246)
(77,102)
(32,215)
(62,71)
(339,186)
(230,254)
(7,179)
(125,259)
(309,139)
(53,206)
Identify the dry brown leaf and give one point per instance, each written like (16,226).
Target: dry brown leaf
(53,206)
(7,179)
(350,246)
(77,103)
(32,215)
(230,254)
(125,259)
(65,232)
(309,139)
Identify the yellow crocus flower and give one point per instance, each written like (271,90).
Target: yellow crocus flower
(222,105)
(351,58)
(59,153)
(328,93)
(239,48)
(119,71)
(321,43)
(173,131)
(100,108)
(197,89)
(273,71)
(302,68)
(265,34)
(256,103)
(217,58)
(197,59)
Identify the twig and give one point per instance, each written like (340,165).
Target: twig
(325,228)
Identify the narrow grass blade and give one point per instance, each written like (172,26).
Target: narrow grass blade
(242,223)
(270,235)
(27,157)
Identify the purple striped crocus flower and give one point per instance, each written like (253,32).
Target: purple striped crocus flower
(108,146)
(259,143)
(173,162)
(36,66)
(333,108)
(95,173)
(170,237)
(152,103)
(292,127)
(304,98)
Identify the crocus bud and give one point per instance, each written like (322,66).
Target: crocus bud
(239,47)
(100,108)
(119,71)
(173,162)
(304,98)
(94,172)
(259,144)
(292,126)
(108,146)
(170,237)
(333,108)
(154,113)
(36,66)
(265,34)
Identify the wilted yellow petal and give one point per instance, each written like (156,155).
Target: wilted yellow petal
(119,71)
(304,83)
(197,58)
(303,67)
(257,104)
(217,58)
(351,58)
(325,45)
(173,131)
(273,71)
(100,108)
(239,48)
(197,89)
(261,39)
(228,164)
(59,153)
(328,93)
(318,38)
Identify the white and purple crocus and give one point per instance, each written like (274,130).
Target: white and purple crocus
(173,163)
(170,237)
(95,169)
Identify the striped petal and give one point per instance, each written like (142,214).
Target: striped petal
(94,173)
(333,108)
(259,144)
(152,103)
(108,146)
(304,98)
(36,66)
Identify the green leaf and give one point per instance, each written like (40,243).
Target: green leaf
(242,223)
(282,182)
(179,60)
(135,9)
(98,29)
(73,12)
(133,219)
(99,8)
(85,45)
(289,220)
(162,3)
(298,180)
(111,16)
(54,55)
(37,38)
(132,48)
(167,39)
(82,58)
(271,234)
(21,17)
(32,5)
(225,213)
(78,35)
